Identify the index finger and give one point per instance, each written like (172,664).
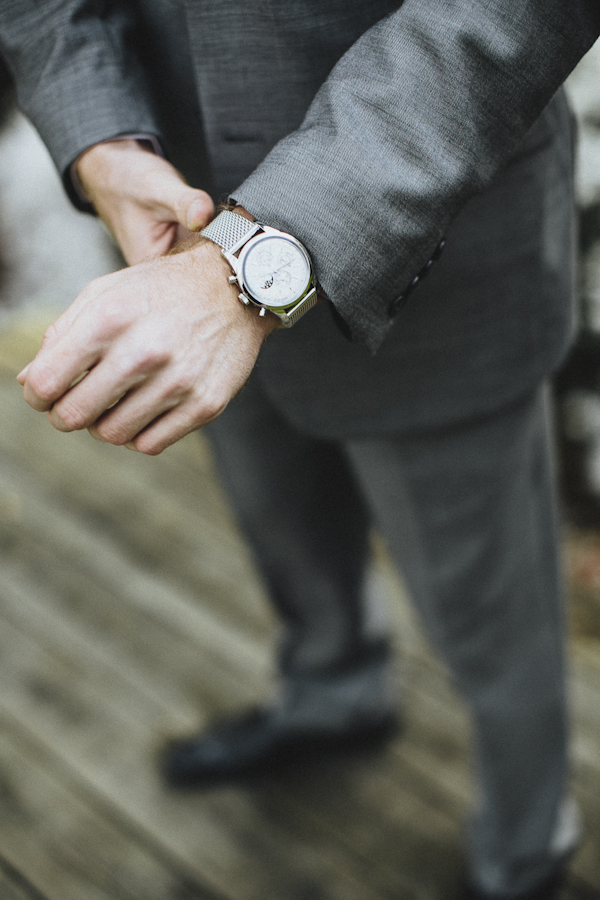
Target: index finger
(51,375)
(59,364)
(54,332)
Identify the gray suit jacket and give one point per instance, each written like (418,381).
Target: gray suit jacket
(368,130)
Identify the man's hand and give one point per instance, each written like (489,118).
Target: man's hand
(142,199)
(148,354)
(166,344)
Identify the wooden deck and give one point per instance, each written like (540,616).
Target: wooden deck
(130,611)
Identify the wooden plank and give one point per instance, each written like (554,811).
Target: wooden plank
(180,678)
(582,563)
(193,541)
(54,695)
(585,691)
(38,615)
(21,602)
(68,848)
(14,885)
(83,548)
(27,596)
(11,891)
(108,744)
(585,866)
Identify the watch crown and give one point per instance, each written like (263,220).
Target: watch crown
(232,279)
(244,299)
(263,311)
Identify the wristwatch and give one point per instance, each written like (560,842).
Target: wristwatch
(272,269)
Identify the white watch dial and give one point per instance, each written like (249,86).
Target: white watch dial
(275,271)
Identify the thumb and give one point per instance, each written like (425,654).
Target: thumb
(193,208)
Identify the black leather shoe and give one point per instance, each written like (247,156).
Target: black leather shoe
(259,742)
(545,890)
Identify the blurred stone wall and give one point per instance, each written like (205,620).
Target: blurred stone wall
(48,250)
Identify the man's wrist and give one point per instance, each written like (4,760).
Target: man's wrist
(95,163)
(211,265)
(244,212)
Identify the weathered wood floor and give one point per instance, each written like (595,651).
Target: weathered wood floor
(129,611)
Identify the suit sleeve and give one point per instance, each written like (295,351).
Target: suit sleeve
(419,115)
(76,73)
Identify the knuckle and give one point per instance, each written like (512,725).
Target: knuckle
(90,294)
(153,358)
(211,407)
(154,450)
(143,361)
(180,385)
(212,411)
(112,432)
(43,384)
(148,445)
(50,335)
(111,309)
(70,415)
(112,320)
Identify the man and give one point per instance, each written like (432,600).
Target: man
(367,132)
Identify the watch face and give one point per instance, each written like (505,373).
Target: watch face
(275,271)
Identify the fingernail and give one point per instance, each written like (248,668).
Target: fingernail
(131,447)
(196,214)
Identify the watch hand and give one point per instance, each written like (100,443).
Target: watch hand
(269,281)
(275,271)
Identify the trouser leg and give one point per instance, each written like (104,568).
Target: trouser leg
(308,527)
(469,514)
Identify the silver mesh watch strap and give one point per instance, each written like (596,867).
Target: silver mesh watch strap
(303,307)
(228,229)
